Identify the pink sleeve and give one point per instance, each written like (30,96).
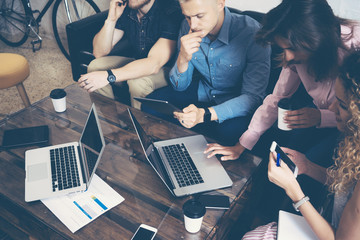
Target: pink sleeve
(265,116)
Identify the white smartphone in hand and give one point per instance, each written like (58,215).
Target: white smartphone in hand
(281,156)
(144,232)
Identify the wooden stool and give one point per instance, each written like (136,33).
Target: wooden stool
(14,69)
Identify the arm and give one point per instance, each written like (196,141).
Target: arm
(158,56)
(187,44)
(265,116)
(284,178)
(108,36)
(349,226)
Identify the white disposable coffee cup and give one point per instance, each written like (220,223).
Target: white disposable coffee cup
(284,105)
(194,212)
(58,98)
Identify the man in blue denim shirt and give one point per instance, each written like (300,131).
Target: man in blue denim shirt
(151,27)
(234,70)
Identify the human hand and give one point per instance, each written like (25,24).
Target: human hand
(115,11)
(283,177)
(190,44)
(93,81)
(190,116)
(229,153)
(303,118)
(300,160)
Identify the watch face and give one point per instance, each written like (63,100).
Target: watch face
(111,78)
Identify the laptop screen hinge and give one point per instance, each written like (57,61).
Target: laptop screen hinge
(82,165)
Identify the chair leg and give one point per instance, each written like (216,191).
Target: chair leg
(23,94)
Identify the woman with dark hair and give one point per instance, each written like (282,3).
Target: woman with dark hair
(343,177)
(314,42)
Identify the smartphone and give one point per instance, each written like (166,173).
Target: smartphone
(144,232)
(283,157)
(215,201)
(21,137)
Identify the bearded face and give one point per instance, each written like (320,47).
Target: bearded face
(137,4)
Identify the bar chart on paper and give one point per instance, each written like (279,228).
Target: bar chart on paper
(78,209)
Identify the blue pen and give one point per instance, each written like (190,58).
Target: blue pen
(278,160)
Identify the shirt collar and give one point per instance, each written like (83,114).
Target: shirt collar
(225,28)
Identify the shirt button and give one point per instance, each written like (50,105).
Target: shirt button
(230,65)
(195,57)
(213,78)
(211,65)
(142,31)
(142,49)
(213,96)
(323,102)
(211,49)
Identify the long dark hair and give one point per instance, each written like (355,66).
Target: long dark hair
(308,25)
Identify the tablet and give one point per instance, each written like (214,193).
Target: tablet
(21,137)
(160,106)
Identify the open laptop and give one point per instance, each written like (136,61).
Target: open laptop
(65,168)
(191,174)
(160,106)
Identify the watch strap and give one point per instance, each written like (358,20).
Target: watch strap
(207,115)
(297,204)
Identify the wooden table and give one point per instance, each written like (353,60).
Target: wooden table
(123,166)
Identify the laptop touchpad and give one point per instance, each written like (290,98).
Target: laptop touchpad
(37,172)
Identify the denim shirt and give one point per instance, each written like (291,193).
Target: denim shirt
(235,70)
(162,21)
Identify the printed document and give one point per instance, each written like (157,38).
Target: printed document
(78,209)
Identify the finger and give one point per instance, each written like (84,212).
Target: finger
(227,158)
(195,34)
(297,126)
(212,147)
(293,112)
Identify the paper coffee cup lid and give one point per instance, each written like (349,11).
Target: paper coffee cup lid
(57,93)
(194,209)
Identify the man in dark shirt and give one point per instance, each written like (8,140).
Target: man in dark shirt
(151,26)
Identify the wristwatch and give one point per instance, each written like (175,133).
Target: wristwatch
(207,115)
(111,77)
(301,202)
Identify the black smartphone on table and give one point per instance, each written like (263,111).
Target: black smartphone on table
(215,201)
(21,137)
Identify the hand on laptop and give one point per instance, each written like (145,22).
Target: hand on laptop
(229,153)
(93,81)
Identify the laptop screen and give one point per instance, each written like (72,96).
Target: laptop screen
(92,141)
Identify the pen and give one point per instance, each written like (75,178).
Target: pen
(278,160)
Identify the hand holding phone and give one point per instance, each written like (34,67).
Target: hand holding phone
(144,232)
(281,156)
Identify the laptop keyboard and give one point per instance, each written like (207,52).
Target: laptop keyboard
(182,165)
(63,168)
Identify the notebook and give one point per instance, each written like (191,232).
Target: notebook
(160,106)
(181,163)
(64,168)
(295,227)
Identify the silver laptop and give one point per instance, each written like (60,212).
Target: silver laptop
(181,163)
(65,168)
